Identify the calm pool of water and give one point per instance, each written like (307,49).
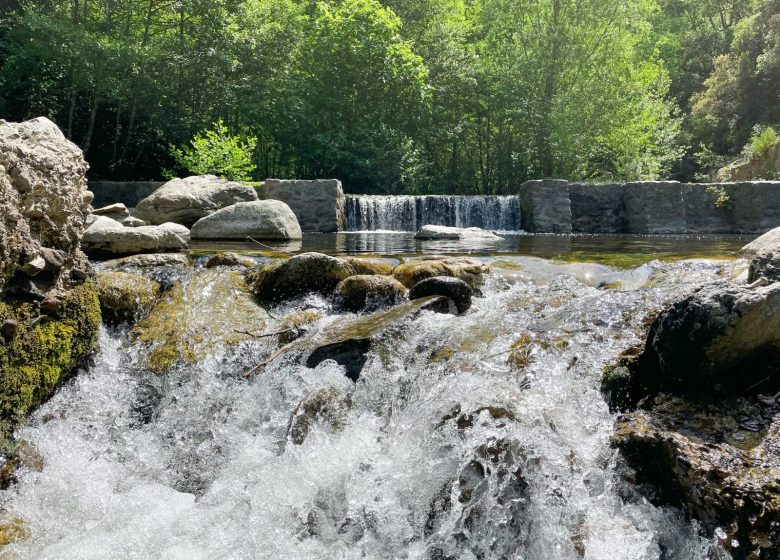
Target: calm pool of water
(617,250)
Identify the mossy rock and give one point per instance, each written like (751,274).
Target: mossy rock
(209,309)
(40,351)
(231,260)
(466,269)
(298,275)
(370,266)
(125,297)
(13,530)
(369,292)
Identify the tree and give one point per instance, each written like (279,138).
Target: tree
(217,152)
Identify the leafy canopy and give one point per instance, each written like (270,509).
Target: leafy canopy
(216,152)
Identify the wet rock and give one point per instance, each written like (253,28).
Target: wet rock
(125,297)
(12,530)
(9,328)
(116,211)
(298,275)
(370,266)
(212,308)
(109,237)
(146,261)
(349,342)
(442,305)
(767,242)
(325,407)
(229,259)
(466,269)
(454,288)
(720,339)
(185,201)
(455,233)
(368,293)
(43,202)
(260,219)
(720,461)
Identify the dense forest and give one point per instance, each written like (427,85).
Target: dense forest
(462,96)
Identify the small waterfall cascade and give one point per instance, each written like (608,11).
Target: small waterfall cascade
(410,213)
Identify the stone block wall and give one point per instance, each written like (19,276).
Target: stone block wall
(318,204)
(546,206)
(650,207)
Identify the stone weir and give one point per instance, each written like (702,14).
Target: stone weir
(650,207)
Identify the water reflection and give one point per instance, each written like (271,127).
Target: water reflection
(617,250)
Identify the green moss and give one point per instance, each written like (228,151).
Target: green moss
(44,351)
(124,296)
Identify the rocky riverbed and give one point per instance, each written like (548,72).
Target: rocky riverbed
(258,405)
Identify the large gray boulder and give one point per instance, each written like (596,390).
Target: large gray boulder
(770,240)
(260,219)
(460,234)
(765,257)
(185,201)
(109,237)
(43,204)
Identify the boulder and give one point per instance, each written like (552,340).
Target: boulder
(766,265)
(721,339)
(370,266)
(125,297)
(185,201)
(260,219)
(229,259)
(324,407)
(109,237)
(298,275)
(369,292)
(453,288)
(116,212)
(131,222)
(43,205)
(460,234)
(146,261)
(468,270)
(767,242)
(180,230)
(719,461)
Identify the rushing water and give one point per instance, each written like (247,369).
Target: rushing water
(198,463)
(410,213)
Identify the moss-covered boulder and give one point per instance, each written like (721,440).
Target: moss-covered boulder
(466,269)
(125,297)
(208,309)
(40,349)
(370,266)
(368,293)
(298,275)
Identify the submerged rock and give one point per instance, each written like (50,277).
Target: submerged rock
(323,406)
(455,289)
(466,269)
(260,219)
(298,275)
(719,461)
(348,343)
(368,293)
(125,297)
(456,233)
(210,309)
(109,237)
(185,201)
(146,261)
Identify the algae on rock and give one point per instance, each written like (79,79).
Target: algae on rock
(43,350)
(125,296)
(211,308)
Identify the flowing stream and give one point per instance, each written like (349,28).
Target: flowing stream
(449,446)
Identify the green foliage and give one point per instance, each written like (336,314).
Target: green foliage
(217,152)
(462,96)
(722,197)
(763,140)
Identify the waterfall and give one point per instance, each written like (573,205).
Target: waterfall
(410,213)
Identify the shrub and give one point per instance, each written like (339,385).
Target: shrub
(763,139)
(217,152)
